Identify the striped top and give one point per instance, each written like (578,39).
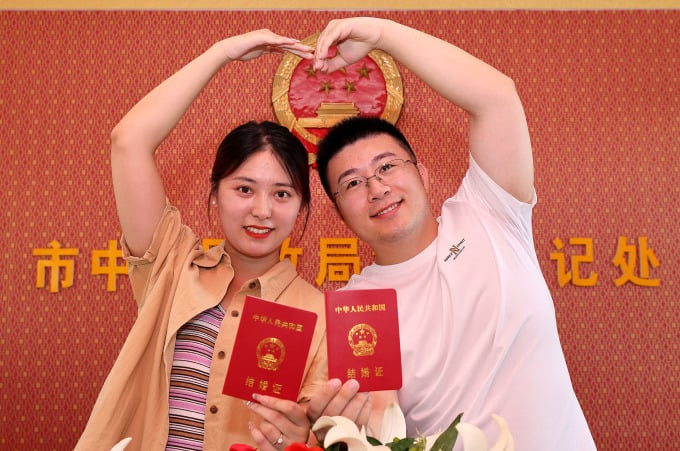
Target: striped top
(189,379)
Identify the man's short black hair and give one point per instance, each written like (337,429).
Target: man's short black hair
(347,133)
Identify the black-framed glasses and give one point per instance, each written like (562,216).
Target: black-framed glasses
(384,173)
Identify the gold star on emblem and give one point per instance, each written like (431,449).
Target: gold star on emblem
(326,86)
(349,86)
(364,71)
(310,72)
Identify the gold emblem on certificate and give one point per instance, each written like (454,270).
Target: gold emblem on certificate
(362,339)
(270,353)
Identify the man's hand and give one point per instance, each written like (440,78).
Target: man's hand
(353,38)
(337,399)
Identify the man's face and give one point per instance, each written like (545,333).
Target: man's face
(382,213)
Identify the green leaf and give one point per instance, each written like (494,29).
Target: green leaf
(401,444)
(373,441)
(340,446)
(447,438)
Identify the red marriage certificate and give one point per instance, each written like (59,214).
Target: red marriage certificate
(270,351)
(362,328)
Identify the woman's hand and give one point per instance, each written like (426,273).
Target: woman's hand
(283,422)
(251,45)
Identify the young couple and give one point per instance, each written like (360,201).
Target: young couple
(485,319)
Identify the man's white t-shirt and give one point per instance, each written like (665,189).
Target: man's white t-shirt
(478,333)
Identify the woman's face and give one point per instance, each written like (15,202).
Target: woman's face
(257,207)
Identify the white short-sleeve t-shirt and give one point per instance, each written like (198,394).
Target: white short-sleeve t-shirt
(478,333)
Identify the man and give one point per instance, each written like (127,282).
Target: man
(477,322)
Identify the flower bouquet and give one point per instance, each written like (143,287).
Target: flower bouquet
(343,435)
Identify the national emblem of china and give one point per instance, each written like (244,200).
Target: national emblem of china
(362,339)
(309,102)
(270,353)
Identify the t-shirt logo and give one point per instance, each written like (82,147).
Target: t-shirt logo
(455,250)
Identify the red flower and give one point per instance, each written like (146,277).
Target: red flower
(302,447)
(241,447)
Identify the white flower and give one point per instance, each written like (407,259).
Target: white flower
(343,430)
(475,440)
(393,424)
(120,446)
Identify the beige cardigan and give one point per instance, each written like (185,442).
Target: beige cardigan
(174,281)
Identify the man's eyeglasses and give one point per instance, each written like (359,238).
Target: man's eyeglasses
(384,173)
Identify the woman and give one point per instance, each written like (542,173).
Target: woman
(165,389)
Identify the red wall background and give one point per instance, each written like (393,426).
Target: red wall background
(602,95)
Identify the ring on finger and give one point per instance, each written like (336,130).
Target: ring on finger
(278,440)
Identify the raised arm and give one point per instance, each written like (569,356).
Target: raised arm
(499,137)
(138,188)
